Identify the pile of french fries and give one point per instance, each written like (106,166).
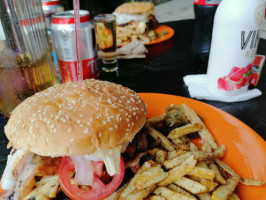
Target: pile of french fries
(134,31)
(179,170)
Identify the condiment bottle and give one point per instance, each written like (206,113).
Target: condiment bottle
(235,38)
(204,14)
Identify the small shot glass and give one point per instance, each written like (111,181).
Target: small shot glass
(105,32)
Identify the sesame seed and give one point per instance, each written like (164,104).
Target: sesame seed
(86,131)
(111,129)
(71,140)
(69,130)
(31,130)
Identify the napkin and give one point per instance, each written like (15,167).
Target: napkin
(135,49)
(197,87)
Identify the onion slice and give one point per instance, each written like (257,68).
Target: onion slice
(8,181)
(84,170)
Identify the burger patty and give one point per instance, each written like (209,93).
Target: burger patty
(152,22)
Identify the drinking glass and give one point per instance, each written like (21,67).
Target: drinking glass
(105,31)
(26,62)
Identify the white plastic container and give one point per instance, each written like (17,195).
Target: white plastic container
(235,39)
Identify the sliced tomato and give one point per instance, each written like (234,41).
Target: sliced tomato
(99,190)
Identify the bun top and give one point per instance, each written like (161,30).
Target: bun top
(135,8)
(67,120)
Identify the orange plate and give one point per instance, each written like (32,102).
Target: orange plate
(168,35)
(160,28)
(246,150)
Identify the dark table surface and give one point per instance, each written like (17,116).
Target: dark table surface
(162,72)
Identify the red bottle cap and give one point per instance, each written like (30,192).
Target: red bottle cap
(207,2)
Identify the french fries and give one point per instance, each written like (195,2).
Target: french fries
(180,190)
(204,132)
(247,181)
(233,196)
(150,177)
(161,156)
(224,191)
(204,196)
(202,173)
(130,188)
(156,197)
(170,194)
(176,160)
(218,177)
(190,185)
(179,169)
(184,130)
(169,146)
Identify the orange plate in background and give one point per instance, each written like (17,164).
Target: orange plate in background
(245,149)
(169,33)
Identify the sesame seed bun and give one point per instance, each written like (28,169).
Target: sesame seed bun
(135,8)
(67,120)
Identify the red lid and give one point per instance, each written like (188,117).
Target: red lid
(207,2)
(67,17)
(50,3)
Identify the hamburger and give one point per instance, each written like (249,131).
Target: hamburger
(69,138)
(135,21)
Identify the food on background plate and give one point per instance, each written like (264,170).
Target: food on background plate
(71,138)
(135,21)
(176,168)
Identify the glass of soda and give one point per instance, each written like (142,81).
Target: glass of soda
(105,32)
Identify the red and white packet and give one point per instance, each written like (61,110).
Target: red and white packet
(257,66)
